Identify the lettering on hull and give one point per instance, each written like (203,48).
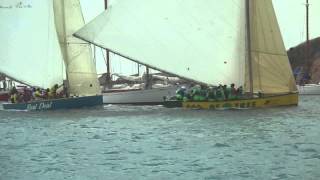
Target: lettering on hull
(39,106)
(224,105)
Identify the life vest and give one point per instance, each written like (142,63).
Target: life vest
(211,94)
(37,94)
(13,98)
(180,93)
(179,97)
(197,98)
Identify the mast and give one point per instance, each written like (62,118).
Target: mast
(94,56)
(66,83)
(249,57)
(108,78)
(308,62)
(147,85)
(307,19)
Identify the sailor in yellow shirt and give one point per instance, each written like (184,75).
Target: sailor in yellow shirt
(53,91)
(49,94)
(37,94)
(13,98)
(14,94)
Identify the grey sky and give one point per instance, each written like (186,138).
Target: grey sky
(290,13)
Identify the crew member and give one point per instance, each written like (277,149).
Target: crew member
(220,95)
(232,92)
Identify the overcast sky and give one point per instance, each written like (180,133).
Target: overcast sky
(290,13)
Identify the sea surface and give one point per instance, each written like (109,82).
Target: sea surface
(153,142)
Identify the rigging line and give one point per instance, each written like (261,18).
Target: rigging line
(79,5)
(103,54)
(94,55)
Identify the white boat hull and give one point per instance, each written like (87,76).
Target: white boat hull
(309,89)
(140,97)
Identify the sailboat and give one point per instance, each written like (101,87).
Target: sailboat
(41,52)
(207,42)
(308,89)
(142,93)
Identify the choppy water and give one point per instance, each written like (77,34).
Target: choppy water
(128,142)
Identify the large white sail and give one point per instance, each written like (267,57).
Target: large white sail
(81,71)
(30,51)
(199,40)
(271,69)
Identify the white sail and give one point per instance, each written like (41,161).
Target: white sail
(30,51)
(81,71)
(271,69)
(199,40)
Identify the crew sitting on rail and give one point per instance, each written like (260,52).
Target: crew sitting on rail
(232,92)
(13,98)
(202,93)
(211,94)
(195,91)
(27,94)
(240,92)
(53,91)
(13,95)
(180,93)
(37,94)
(220,95)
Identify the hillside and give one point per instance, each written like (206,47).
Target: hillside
(297,57)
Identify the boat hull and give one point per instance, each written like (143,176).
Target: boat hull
(272,101)
(309,89)
(54,104)
(154,96)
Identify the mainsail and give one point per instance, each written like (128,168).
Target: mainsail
(81,70)
(199,40)
(205,41)
(30,51)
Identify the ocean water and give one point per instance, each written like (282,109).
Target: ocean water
(152,142)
